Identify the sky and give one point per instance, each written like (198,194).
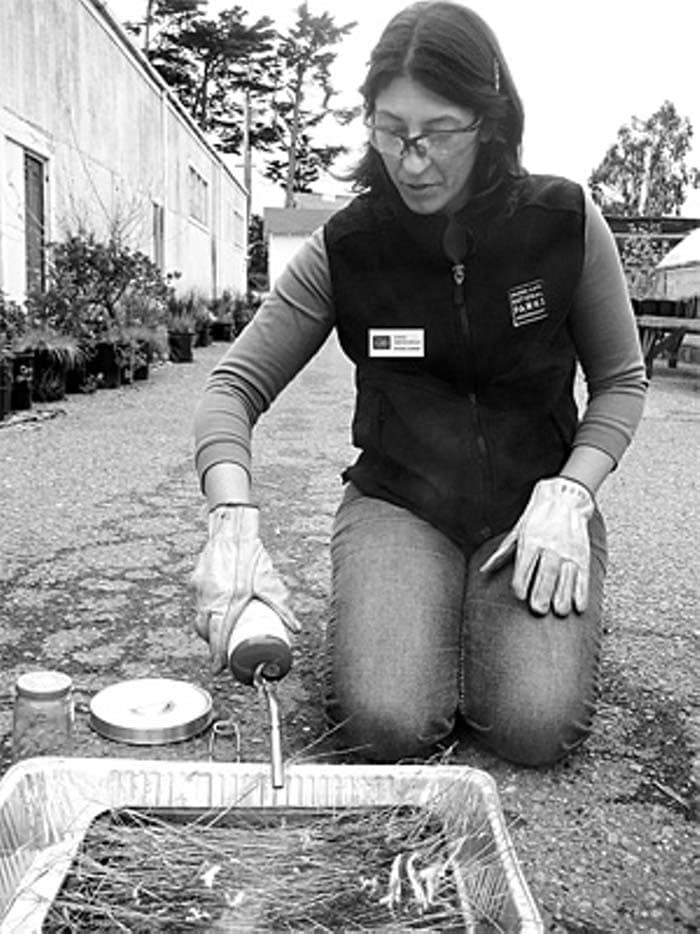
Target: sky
(582,69)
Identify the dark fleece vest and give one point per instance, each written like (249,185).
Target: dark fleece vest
(461,432)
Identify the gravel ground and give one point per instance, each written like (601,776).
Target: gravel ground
(101,525)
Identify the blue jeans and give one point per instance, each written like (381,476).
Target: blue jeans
(419,635)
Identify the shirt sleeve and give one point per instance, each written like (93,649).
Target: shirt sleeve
(288,329)
(607,343)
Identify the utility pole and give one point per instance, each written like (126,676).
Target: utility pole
(147,26)
(247,158)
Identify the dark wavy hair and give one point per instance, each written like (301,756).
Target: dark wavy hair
(452,52)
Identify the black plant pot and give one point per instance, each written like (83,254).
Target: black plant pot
(77,377)
(49,384)
(141,370)
(5,385)
(127,355)
(203,338)
(180,346)
(222,331)
(22,380)
(104,365)
(143,358)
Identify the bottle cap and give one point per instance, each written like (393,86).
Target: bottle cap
(44,685)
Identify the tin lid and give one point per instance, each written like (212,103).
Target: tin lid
(43,685)
(150,711)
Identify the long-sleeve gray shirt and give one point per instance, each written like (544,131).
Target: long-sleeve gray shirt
(294,322)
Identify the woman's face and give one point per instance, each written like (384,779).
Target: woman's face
(433,175)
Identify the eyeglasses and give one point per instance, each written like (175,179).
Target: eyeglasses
(434,143)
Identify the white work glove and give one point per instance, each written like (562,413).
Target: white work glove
(552,550)
(233,569)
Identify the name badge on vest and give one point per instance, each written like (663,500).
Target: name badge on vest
(396,342)
(527,303)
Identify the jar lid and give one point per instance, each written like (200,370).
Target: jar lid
(150,711)
(44,685)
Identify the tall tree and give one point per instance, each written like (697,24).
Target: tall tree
(158,13)
(212,65)
(646,171)
(302,101)
(250,87)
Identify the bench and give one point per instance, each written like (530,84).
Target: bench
(662,326)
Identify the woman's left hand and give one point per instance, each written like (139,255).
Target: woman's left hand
(552,549)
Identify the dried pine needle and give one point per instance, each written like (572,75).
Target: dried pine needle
(371,869)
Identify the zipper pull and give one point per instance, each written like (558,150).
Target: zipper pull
(458,276)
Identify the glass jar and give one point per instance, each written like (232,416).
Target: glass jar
(43,714)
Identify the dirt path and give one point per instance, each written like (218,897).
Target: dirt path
(102,522)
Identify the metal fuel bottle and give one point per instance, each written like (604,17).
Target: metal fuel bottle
(259,638)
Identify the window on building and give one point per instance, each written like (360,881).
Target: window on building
(158,235)
(34,222)
(199,197)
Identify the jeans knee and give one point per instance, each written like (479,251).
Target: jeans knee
(535,739)
(383,734)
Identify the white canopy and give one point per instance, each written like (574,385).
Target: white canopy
(685,253)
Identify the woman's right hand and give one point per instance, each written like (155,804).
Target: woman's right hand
(233,569)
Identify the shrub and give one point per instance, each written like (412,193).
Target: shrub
(96,289)
(222,307)
(13,321)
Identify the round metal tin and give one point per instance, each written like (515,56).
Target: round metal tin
(150,711)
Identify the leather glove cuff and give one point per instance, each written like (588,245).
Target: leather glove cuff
(237,522)
(575,493)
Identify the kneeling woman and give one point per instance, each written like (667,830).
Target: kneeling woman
(468,553)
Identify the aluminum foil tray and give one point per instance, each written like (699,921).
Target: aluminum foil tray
(47,805)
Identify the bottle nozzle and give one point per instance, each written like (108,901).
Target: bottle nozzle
(259,640)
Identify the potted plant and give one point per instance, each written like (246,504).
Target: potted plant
(222,312)
(53,353)
(22,379)
(150,343)
(5,383)
(104,364)
(17,368)
(98,291)
(242,313)
(181,328)
(203,319)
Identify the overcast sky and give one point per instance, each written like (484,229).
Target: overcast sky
(582,69)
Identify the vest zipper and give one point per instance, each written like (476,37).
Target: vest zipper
(459,275)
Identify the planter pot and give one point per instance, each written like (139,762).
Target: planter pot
(141,371)
(222,331)
(126,354)
(22,380)
(49,384)
(143,357)
(78,379)
(180,346)
(5,385)
(203,338)
(78,375)
(104,365)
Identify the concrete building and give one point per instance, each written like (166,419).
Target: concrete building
(91,138)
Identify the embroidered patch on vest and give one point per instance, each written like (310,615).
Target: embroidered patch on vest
(527,303)
(396,342)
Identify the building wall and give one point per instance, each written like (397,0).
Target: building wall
(118,152)
(281,248)
(681,282)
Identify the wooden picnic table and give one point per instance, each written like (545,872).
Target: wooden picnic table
(662,326)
